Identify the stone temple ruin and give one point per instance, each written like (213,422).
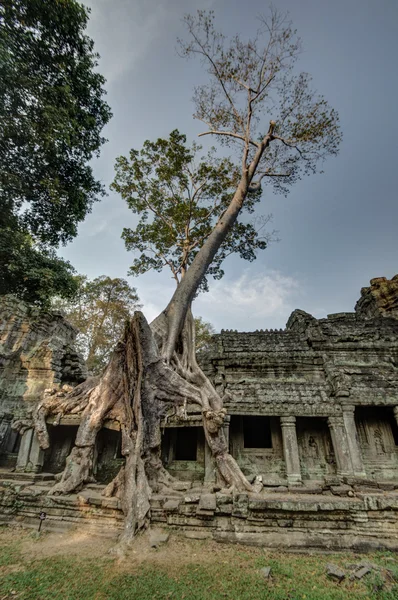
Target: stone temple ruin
(312,418)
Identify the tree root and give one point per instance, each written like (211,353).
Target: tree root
(137,389)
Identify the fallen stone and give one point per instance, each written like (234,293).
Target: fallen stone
(334,572)
(157,537)
(266,572)
(362,572)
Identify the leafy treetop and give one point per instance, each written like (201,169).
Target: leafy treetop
(179,195)
(51,116)
(99,311)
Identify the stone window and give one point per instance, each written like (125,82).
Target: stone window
(257,432)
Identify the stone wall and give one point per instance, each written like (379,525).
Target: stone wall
(36,352)
(331,383)
(380,299)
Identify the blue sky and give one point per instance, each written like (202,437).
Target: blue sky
(337,230)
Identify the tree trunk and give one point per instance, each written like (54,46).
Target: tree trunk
(152,374)
(139,389)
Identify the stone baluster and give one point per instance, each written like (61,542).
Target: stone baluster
(353,442)
(340,445)
(290,449)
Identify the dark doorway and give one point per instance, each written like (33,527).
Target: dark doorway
(62,439)
(186,443)
(257,432)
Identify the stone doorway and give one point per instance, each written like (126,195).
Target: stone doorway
(256,444)
(378,438)
(183,452)
(62,439)
(317,458)
(108,456)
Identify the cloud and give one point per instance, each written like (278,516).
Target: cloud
(246,302)
(250,301)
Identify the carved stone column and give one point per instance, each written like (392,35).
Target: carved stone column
(290,449)
(210,465)
(353,441)
(36,456)
(24,450)
(340,445)
(30,455)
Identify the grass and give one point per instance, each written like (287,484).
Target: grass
(183,570)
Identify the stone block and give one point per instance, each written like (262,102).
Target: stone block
(361,572)
(340,490)
(334,572)
(266,572)
(207,502)
(157,537)
(172,505)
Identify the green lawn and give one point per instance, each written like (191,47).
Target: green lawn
(53,567)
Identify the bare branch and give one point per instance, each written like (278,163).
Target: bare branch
(229,134)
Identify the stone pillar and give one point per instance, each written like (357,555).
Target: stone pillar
(30,455)
(24,450)
(396,413)
(36,456)
(227,422)
(290,449)
(210,465)
(353,442)
(340,445)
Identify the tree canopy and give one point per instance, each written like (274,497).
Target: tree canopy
(99,312)
(179,195)
(52,113)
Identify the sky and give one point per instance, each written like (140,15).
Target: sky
(337,230)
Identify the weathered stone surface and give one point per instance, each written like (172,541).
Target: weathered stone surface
(171,505)
(157,537)
(207,502)
(380,299)
(360,573)
(266,572)
(334,572)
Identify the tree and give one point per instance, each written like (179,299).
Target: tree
(179,196)
(153,370)
(51,116)
(32,275)
(204,332)
(99,312)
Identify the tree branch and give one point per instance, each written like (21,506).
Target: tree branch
(229,134)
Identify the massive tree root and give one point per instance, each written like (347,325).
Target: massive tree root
(139,388)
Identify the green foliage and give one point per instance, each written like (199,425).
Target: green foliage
(31,274)
(99,311)
(51,116)
(203,333)
(179,197)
